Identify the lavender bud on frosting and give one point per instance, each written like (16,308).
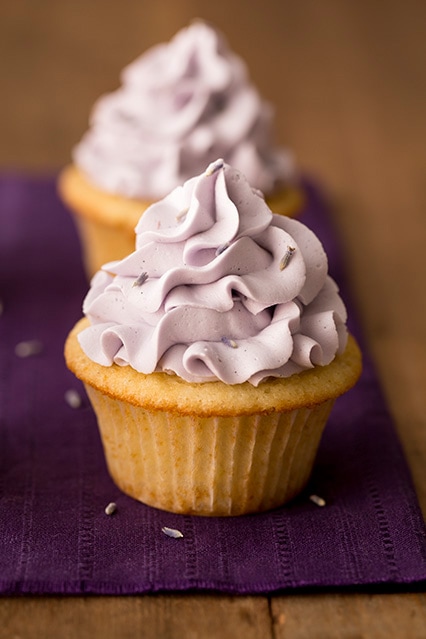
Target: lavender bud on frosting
(197,300)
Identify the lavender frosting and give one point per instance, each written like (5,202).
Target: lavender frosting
(180,106)
(218,288)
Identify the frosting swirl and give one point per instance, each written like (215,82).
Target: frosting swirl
(180,106)
(217,288)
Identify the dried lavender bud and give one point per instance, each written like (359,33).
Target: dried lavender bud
(220,249)
(229,342)
(172,532)
(319,501)
(111,508)
(141,279)
(28,348)
(72,398)
(286,257)
(214,166)
(182,214)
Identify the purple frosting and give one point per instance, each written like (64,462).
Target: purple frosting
(180,106)
(218,288)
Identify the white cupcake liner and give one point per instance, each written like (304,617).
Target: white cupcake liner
(213,466)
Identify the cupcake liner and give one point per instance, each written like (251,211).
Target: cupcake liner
(105,222)
(102,242)
(212,466)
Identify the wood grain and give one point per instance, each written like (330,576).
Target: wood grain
(150,617)
(348,83)
(337,616)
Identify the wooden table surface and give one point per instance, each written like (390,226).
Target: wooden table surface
(347,80)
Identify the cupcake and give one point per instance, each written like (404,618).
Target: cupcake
(213,353)
(179,107)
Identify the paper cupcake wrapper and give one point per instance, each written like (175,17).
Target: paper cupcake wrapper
(102,243)
(208,465)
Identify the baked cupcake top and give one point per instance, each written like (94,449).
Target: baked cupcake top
(218,288)
(180,106)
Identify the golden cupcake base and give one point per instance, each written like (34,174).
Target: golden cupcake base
(211,449)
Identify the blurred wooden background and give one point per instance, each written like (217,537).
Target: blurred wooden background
(347,80)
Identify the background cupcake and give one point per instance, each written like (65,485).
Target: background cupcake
(180,106)
(214,352)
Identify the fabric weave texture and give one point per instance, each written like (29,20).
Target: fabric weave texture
(54,486)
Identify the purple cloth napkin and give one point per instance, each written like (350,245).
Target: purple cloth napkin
(55,535)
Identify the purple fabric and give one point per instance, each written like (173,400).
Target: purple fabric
(55,536)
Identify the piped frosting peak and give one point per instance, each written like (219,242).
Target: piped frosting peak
(218,288)
(181,105)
